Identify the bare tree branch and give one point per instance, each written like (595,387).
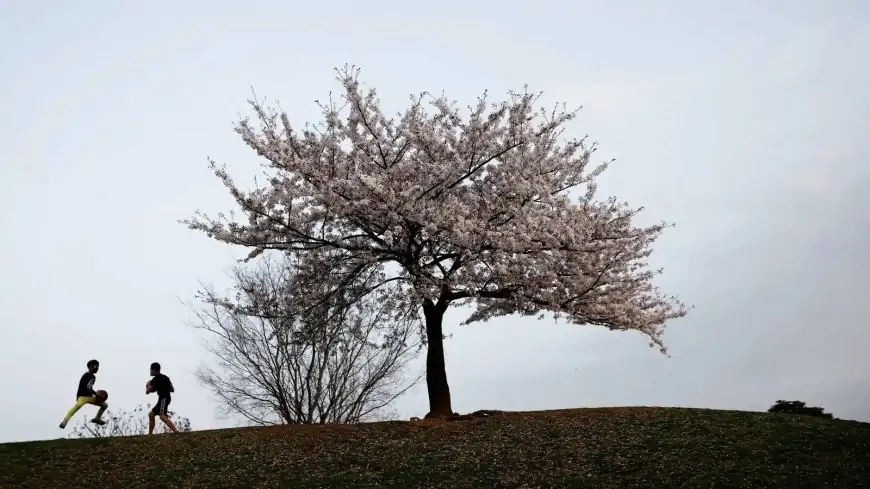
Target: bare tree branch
(125,423)
(318,339)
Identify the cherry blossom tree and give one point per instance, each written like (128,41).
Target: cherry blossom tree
(493,206)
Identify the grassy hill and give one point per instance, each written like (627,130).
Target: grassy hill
(584,448)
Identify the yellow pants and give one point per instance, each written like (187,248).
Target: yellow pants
(81,401)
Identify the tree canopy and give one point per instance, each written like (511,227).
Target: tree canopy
(495,206)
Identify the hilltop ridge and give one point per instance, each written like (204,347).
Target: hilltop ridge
(636,447)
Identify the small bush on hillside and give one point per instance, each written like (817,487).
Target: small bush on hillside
(799,407)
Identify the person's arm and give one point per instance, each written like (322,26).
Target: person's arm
(156,384)
(169,385)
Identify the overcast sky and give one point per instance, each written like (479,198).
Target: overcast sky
(741,121)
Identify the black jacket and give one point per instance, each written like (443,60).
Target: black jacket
(86,385)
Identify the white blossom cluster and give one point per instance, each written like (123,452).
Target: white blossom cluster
(470,205)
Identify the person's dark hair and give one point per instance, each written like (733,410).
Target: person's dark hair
(93,363)
(155,367)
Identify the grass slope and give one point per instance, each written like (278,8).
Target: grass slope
(585,448)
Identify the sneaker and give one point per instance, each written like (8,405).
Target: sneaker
(62,424)
(99,422)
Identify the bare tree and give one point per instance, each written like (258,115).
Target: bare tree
(306,342)
(124,423)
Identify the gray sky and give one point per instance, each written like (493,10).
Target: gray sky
(742,123)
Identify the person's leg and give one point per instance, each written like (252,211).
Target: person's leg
(81,401)
(162,410)
(166,419)
(98,419)
(151,421)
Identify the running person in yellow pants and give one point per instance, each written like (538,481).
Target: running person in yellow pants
(86,395)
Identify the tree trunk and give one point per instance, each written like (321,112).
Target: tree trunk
(436,372)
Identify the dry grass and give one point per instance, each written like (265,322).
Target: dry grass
(585,448)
